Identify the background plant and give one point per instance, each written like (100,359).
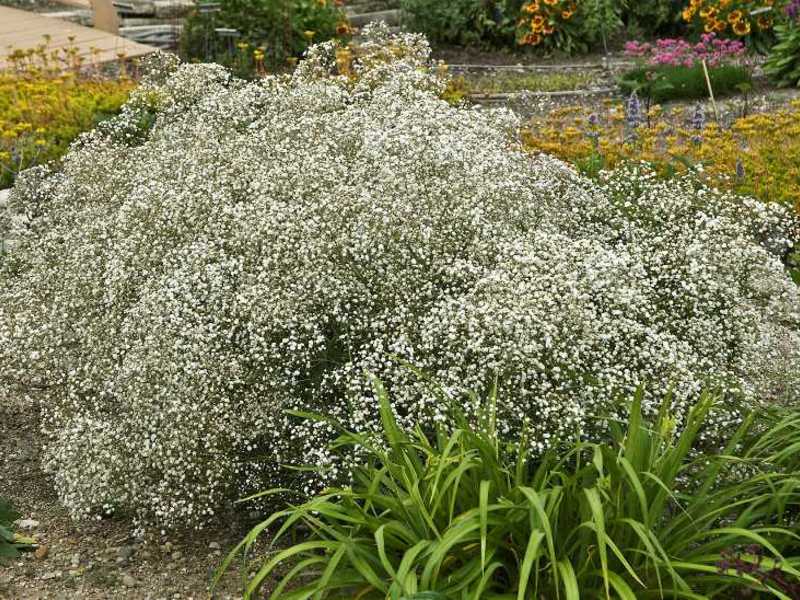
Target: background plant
(224,250)
(652,18)
(752,155)
(658,84)
(467,515)
(466,22)
(744,19)
(266,33)
(44,107)
(783,62)
(554,24)
(678,52)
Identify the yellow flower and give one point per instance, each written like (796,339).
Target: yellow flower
(734,17)
(741,28)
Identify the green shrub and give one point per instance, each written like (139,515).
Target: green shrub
(11,544)
(652,17)
(270,32)
(664,83)
(463,515)
(463,21)
(783,63)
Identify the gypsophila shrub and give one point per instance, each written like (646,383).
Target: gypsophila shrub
(223,251)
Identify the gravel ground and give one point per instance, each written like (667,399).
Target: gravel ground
(99,559)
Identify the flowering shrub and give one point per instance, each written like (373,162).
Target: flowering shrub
(678,52)
(548,22)
(225,250)
(42,109)
(567,25)
(736,18)
(755,155)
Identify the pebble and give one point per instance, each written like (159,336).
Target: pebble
(128,581)
(177,555)
(126,552)
(214,546)
(167,547)
(41,552)
(52,575)
(75,561)
(27,524)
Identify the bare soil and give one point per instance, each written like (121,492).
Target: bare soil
(99,559)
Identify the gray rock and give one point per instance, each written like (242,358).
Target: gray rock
(52,575)
(214,546)
(128,581)
(177,555)
(27,524)
(75,561)
(126,552)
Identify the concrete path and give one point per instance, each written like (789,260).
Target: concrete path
(21,29)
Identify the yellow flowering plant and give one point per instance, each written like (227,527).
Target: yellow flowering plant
(755,155)
(551,24)
(750,20)
(46,99)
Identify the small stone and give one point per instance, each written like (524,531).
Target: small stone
(167,547)
(126,552)
(214,546)
(75,561)
(41,552)
(177,555)
(145,554)
(52,575)
(27,524)
(128,581)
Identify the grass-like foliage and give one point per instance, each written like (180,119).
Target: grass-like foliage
(463,515)
(11,543)
(665,83)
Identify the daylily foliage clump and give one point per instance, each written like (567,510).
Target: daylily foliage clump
(224,251)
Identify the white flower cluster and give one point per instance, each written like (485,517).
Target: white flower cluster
(227,250)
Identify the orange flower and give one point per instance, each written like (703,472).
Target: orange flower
(764,22)
(531,7)
(735,16)
(566,14)
(532,39)
(551,2)
(548,29)
(721,26)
